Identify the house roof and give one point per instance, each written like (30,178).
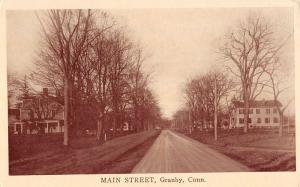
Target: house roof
(258,103)
(59,100)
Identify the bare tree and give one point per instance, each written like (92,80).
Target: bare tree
(180,119)
(278,84)
(117,73)
(90,57)
(204,95)
(199,103)
(13,86)
(65,38)
(249,49)
(101,58)
(218,87)
(153,113)
(138,83)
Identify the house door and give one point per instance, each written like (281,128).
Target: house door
(42,128)
(52,127)
(18,128)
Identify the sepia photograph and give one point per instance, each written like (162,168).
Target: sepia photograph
(156,90)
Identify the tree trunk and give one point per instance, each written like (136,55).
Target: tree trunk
(136,119)
(280,129)
(99,132)
(72,114)
(215,112)
(66,112)
(246,115)
(137,126)
(216,125)
(142,124)
(190,122)
(114,125)
(145,124)
(202,121)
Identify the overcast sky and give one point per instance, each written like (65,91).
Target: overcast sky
(181,43)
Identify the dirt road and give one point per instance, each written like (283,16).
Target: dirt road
(174,153)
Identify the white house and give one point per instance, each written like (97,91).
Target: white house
(13,119)
(40,113)
(262,113)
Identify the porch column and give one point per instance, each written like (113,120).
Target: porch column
(47,128)
(58,127)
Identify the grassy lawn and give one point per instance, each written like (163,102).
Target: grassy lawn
(119,155)
(259,149)
(23,146)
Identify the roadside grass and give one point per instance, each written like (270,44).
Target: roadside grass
(259,149)
(23,146)
(96,159)
(262,160)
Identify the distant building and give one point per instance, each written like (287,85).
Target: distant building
(223,120)
(13,118)
(262,113)
(40,113)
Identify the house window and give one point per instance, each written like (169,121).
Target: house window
(53,113)
(257,111)
(258,120)
(274,111)
(267,120)
(249,120)
(27,103)
(275,120)
(251,111)
(241,111)
(267,110)
(241,120)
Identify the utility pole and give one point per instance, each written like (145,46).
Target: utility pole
(190,122)
(288,122)
(215,111)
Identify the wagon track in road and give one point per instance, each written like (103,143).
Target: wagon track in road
(175,153)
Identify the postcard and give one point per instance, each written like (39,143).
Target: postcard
(117,93)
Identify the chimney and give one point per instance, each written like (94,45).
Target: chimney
(45,91)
